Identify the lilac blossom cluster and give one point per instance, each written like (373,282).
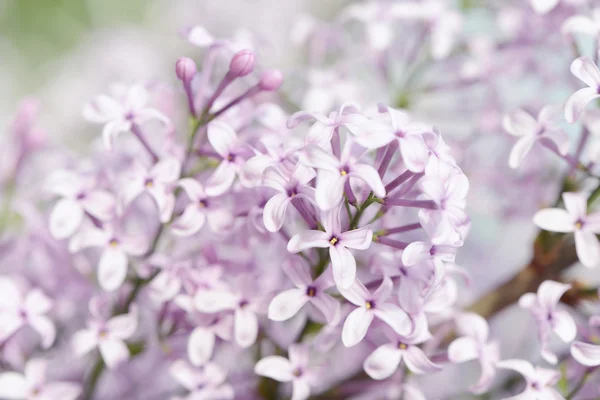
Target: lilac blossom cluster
(248,247)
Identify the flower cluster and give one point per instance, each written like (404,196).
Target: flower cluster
(250,239)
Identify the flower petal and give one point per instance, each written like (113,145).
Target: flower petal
(576,204)
(463,349)
(356,326)
(114,352)
(221,179)
(359,239)
(586,354)
(99,203)
(588,248)
(307,239)
(343,266)
(200,346)
(550,292)
(112,269)
(84,341)
(521,366)
(520,150)
(520,123)
(329,192)
(65,218)
(301,389)
(13,386)
(554,220)
(246,327)
(576,104)
(417,361)
(370,176)
(585,69)
(123,326)
(222,138)
(395,317)
(166,171)
(286,304)
(383,362)
(45,327)
(275,367)
(297,271)
(274,212)
(564,326)
(212,301)
(190,222)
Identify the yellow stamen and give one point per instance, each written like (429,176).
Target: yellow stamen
(113,243)
(368,305)
(402,346)
(343,173)
(578,225)
(333,241)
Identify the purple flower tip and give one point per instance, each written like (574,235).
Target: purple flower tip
(242,63)
(271,80)
(185,68)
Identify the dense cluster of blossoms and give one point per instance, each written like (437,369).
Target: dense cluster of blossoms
(269,250)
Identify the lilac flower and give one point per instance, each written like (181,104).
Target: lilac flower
(371,305)
(289,188)
(32,384)
(586,353)
(401,129)
(244,307)
(474,344)
(544,129)
(107,335)
(286,304)
(549,317)
(589,26)
(574,219)
(200,209)
(78,198)
(335,174)
(226,143)
(202,340)
(204,382)
(540,381)
(384,361)
(18,310)
(295,370)
(324,126)
(121,117)
(587,71)
(343,263)
(112,266)
(157,181)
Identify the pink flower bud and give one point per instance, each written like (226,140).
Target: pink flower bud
(241,64)
(185,68)
(271,80)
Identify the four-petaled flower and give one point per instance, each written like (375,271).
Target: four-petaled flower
(540,381)
(574,219)
(549,317)
(32,384)
(371,305)
(228,146)
(121,117)
(338,242)
(587,71)
(295,370)
(203,382)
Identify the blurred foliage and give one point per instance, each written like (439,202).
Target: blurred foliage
(42,29)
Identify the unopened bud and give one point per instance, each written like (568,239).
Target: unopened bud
(185,68)
(241,64)
(271,80)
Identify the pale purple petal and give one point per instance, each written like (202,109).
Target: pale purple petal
(274,212)
(65,218)
(13,386)
(36,302)
(588,248)
(190,222)
(543,6)
(112,269)
(520,150)
(100,204)
(343,266)
(61,391)
(200,346)
(416,252)
(84,341)
(221,179)
(137,97)
(329,307)
(211,301)
(463,349)
(111,130)
(550,292)
(417,361)
(356,293)
(564,326)
(395,317)
(554,220)
(383,362)
(521,366)
(307,239)
(359,239)
(576,204)
(222,138)
(585,69)
(301,389)
(199,36)
(114,352)
(123,326)
(297,272)
(520,123)
(45,327)
(370,176)
(356,326)
(166,171)
(275,367)
(586,354)
(576,104)
(286,304)
(246,327)
(414,152)
(384,291)
(329,192)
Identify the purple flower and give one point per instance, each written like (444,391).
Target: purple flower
(32,384)
(587,71)
(338,242)
(540,381)
(295,370)
(203,382)
(574,219)
(225,142)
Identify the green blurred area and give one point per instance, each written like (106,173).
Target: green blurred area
(40,30)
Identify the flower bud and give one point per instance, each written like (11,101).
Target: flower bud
(271,80)
(185,68)
(241,64)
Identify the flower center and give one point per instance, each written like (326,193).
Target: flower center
(311,291)
(370,304)
(148,182)
(202,203)
(231,157)
(402,346)
(243,304)
(579,224)
(297,372)
(334,240)
(113,243)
